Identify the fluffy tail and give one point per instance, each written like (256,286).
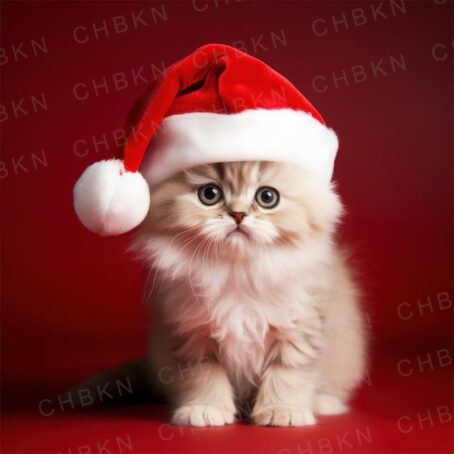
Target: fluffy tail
(131,382)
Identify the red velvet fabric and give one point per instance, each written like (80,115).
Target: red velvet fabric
(215,78)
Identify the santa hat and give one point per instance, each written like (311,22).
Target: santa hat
(216,105)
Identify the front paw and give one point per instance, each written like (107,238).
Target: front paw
(329,405)
(202,416)
(283,415)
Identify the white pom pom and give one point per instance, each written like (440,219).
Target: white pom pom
(110,201)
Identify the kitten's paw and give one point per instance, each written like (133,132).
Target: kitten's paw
(329,405)
(283,416)
(202,416)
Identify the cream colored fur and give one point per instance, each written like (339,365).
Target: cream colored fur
(264,322)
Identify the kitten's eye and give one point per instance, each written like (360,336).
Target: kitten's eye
(267,197)
(210,194)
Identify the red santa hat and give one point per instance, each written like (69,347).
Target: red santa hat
(216,105)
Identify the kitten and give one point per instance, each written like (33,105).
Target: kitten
(253,301)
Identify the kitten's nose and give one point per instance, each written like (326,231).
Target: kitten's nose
(238,216)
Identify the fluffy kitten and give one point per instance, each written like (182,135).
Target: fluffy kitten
(254,307)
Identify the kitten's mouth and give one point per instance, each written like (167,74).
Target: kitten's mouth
(238,231)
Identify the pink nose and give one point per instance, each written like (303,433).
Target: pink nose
(237,216)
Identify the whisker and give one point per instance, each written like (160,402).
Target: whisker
(190,266)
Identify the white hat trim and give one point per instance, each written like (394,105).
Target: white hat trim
(286,135)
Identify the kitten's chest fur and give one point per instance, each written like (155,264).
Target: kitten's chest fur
(239,328)
(237,311)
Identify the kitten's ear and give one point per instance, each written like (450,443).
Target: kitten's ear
(326,210)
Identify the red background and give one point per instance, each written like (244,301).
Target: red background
(71,301)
